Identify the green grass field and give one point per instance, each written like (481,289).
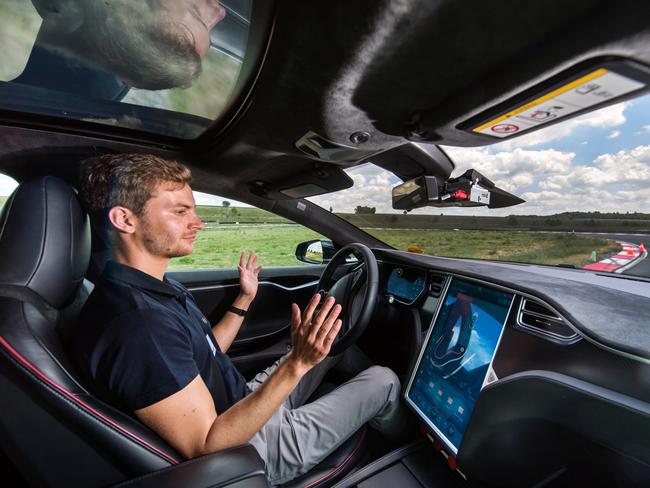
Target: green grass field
(220,246)
(524,247)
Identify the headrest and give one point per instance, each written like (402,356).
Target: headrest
(44,241)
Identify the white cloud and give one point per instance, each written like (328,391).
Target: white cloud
(7,185)
(646,128)
(611,116)
(511,170)
(630,168)
(614,182)
(372,188)
(614,134)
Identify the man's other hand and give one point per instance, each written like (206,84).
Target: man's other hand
(248,273)
(313,333)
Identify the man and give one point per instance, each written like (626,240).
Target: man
(153,44)
(147,348)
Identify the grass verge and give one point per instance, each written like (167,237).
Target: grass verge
(220,246)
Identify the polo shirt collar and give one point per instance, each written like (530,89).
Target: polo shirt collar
(139,279)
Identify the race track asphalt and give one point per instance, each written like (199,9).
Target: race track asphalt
(643,267)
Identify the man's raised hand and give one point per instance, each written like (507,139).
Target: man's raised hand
(313,332)
(248,275)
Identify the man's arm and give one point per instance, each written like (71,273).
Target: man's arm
(188,419)
(227,328)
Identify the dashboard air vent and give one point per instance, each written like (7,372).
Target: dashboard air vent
(437,284)
(540,318)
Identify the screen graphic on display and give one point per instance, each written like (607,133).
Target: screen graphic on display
(457,356)
(405,285)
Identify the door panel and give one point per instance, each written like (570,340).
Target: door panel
(264,335)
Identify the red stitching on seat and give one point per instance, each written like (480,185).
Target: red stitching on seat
(72,397)
(343,463)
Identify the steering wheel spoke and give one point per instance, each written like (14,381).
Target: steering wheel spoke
(356,291)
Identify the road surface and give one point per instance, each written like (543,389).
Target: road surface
(643,267)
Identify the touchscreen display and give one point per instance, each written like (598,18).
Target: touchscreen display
(457,355)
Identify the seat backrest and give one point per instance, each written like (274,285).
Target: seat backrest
(52,427)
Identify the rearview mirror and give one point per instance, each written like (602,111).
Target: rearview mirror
(471,189)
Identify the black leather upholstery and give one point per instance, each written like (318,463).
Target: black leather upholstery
(44,240)
(224,468)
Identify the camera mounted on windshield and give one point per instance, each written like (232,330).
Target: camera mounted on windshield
(471,189)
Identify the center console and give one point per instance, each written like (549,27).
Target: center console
(454,364)
(413,466)
(456,360)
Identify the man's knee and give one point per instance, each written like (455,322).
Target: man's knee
(385,378)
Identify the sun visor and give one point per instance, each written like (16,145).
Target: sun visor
(317,180)
(590,86)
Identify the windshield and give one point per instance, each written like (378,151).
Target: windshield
(586,186)
(164,66)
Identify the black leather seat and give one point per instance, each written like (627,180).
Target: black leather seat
(52,427)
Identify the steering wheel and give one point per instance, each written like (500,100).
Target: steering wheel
(355,291)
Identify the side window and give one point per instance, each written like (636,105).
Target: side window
(232,227)
(7,185)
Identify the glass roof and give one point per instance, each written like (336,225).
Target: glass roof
(165,66)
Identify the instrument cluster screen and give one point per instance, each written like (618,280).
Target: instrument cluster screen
(406,284)
(457,356)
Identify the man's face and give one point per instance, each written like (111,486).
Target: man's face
(169,223)
(198,17)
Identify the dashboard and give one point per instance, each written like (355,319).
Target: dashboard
(525,360)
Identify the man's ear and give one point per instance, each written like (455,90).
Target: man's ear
(122,219)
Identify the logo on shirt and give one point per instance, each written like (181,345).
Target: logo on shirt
(212,348)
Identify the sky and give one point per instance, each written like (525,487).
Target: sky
(599,161)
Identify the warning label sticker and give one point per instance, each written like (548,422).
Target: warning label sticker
(596,87)
(480,195)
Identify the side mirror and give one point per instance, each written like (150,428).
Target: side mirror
(315,251)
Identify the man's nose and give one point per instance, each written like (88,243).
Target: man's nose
(197,222)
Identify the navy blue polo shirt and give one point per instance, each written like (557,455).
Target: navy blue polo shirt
(140,340)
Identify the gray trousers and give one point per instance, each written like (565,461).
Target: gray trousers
(298,436)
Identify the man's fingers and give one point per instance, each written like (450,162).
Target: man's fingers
(331,335)
(325,309)
(309,311)
(241,259)
(295,317)
(257,270)
(329,322)
(318,321)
